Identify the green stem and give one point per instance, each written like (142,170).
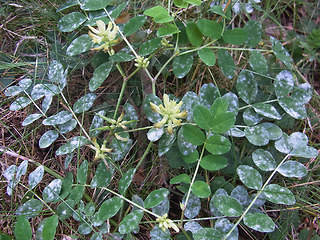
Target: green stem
(193,180)
(256,197)
(144,154)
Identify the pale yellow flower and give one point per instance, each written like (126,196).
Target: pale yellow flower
(165,223)
(106,36)
(170,112)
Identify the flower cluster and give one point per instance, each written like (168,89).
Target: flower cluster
(100,151)
(170,112)
(105,36)
(165,223)
(141,62)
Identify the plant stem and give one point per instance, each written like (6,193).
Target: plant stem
(193,180)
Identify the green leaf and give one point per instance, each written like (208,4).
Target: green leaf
(84,228)
(74,143)
(121,56)
(166,142)
(279,195)
(59,118)
(208,93)
(227,205)
(247,87)
(126,180)
(31,118)
(295,109)
(235,36)
(223,122)
(79,45)
(251,117)
(259,222)
(258,62)
(65,209)
(192,158)
(134,24)
(92,5)
(48,138)
(193,134)
(13,91)
(84,103)
(219,106)
(130,222)
(233,103)
(82,173)
(99,75)
(167,29)
(35,177)
(292,169)
(241,194)
(154,134)
(264,160)
(223,225)
(152,116)
(194,34)
(203,117)
(182,65)
(46,103)
(181,3)
(149,46)
(220,11)
(30,209)
(56,74)
(194,2)
(201,189)
(120,148)
(213,162)
(67,127)
(218,145)
(159,14)
(22,229)
(207,234)
(210,28)
(281,53)
(49,228)
(157,234)
(226,63)
(257,135)
(190,100)
(266,110)
(51,192)
(250,177)
(207,56)
(107,210)
(185,147)
(283,83)
(66,185)
(162,208)
(20,103)
(67,4)
(44,89)
(274,132)
(302,93)
(181,178)
(254,30)
(97,236)
(193,206)
(71,21)
(156,197)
